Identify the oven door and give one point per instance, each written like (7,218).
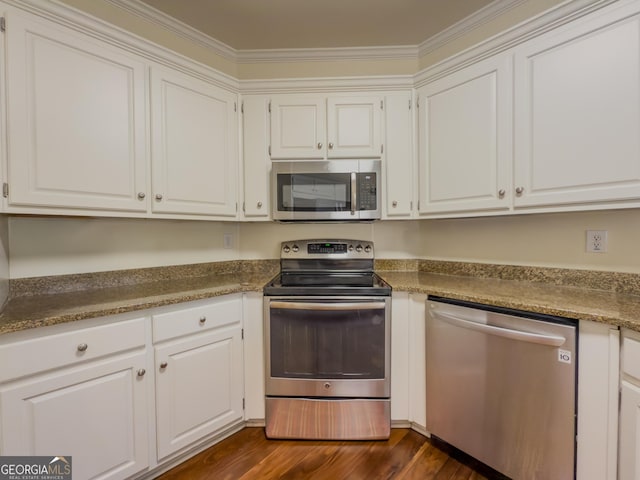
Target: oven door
(327,346)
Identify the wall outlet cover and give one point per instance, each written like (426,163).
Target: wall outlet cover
(596,241)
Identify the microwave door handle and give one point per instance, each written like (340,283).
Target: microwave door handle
(354,193)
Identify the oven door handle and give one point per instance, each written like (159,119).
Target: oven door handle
(328,306)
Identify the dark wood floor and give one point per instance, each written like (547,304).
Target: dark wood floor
(248,455)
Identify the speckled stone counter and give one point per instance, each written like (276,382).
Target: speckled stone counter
(41,301)
(607,297)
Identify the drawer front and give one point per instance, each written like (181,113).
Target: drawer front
(631,356)
(199,317)
(35,355)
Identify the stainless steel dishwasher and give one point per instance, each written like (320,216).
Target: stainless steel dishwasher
(501,387)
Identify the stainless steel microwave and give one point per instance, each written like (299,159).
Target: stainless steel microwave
(345,190)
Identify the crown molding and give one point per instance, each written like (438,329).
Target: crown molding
(530,28)
(411,52)
(471,22)
(338,84)
(155,16)
(327,54)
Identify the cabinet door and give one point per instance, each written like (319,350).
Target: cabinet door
(353,127)
(96,414)
(465,139)
(199,387)
(629,468)
(77,112)
(257,166)
(577,113)
(399,159)
(195,145)
(298,127)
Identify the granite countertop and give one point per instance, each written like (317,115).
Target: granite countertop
(605,297)
(614,308)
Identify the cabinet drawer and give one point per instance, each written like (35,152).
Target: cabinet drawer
(58,350)
(631,356)
(199,317)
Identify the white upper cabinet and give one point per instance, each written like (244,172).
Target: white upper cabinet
(354,127)
(76,119)
(399,163)
(194,145)
(298,127)
(316,127)
(256,162)
(465,138)
(577,112)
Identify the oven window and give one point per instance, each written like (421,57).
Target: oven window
(319,192)
(316,343)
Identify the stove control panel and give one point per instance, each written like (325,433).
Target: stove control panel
(327,249)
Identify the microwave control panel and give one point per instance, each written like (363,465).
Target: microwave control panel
(367,191)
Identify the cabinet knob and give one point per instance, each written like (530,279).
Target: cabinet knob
(501,193)
(319,145)
(163,365)
(519,190)
(141,195)
(158,196)
(83,347)
(330,145)
(259,204)
(202,320)
(141,372)
(394,204)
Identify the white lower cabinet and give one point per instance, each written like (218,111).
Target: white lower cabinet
(408,374)
(629,448)
(199,372)
(93,410)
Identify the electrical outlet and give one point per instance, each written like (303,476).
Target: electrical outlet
(227,240)
(596,241)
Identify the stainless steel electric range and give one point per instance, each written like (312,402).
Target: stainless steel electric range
(327,343)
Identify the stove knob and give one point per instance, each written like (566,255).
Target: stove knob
(351,248)
(367,248)
(359,248)
(295,248)
(286,249)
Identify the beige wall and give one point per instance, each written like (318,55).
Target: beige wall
(557,240)
(43,246)
(54,246)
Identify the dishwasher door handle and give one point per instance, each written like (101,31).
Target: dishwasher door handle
(551,340)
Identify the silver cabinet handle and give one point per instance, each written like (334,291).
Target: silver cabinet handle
(319,145)
(330,145)
(550,340)
(394,204)
(519,190)
(83,347)
(141,372)
(163,365)
(501,193)
(158,196)
(259,204)
(202,320)
(141,195)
